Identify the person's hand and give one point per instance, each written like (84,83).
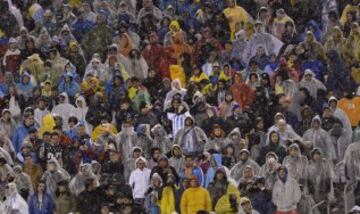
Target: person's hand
(180,109)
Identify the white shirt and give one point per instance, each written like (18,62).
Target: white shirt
(139,181)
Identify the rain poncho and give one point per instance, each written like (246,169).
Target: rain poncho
(269,170)
(296,165)
(320,139)
(195,199)
(341,115)
(319,174)
(178,162)
(191,139)
(64,110)
(52,178)
(234,15)
(23,181)
(352,161)
(80,112)
(77,184)
(236,171)
(136,65)
(14,203)
(313,85)
(126,140)
(161,139)
(144,140)
(340,139)
(286,194)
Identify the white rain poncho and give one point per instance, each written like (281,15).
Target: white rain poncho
(77,184)
(14,203)
(320,139)
(53,176)
(312,85)
(64,110)
(296,165)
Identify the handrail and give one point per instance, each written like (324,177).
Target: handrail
(316,206)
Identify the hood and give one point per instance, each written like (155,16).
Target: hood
(140,159)
(315,150)
(192,119)
(12,189)
(235,131)
(142,129)
(316,118)
(65,28)
(178,146)
(54,160)
(279,114)
(309,71)
(333,98)
(49,121)
(158,131)
(66,100)
(271,154)
(222,170)
(295,146)
(156,176)
(313,24)
(81,99)
(26,74)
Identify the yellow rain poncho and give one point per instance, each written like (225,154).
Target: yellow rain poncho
(48,124)
(177,72)
(102,128)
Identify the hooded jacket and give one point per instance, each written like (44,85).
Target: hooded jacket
(19,135)
(341,115)
(47,204)
(139,180)
(320,139)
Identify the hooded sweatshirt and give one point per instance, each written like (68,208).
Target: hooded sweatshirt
(139,180)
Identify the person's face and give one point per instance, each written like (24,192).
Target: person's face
(260,125)
(281,126)
(163,163)
(147,3)
(219,176)
(308,77)
(55,139)
(51,167)
(317,157)
(316,125)
(6,116)
(333,104)
(62,188)
(282,173)
(248,173)
(105,210)
(193,183)
(177,151)
(228,97)
(127,210)
(140,164)
(274,138)
(156,154)
(29,44)
(189,162)
(81,130)
(217,132)
(244,156)
(136,154)
(231,3)
(61,99)
(247,207)
(260,51)
(41,187)
(294,152)
(29,120)
(188,122)
(253,78)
